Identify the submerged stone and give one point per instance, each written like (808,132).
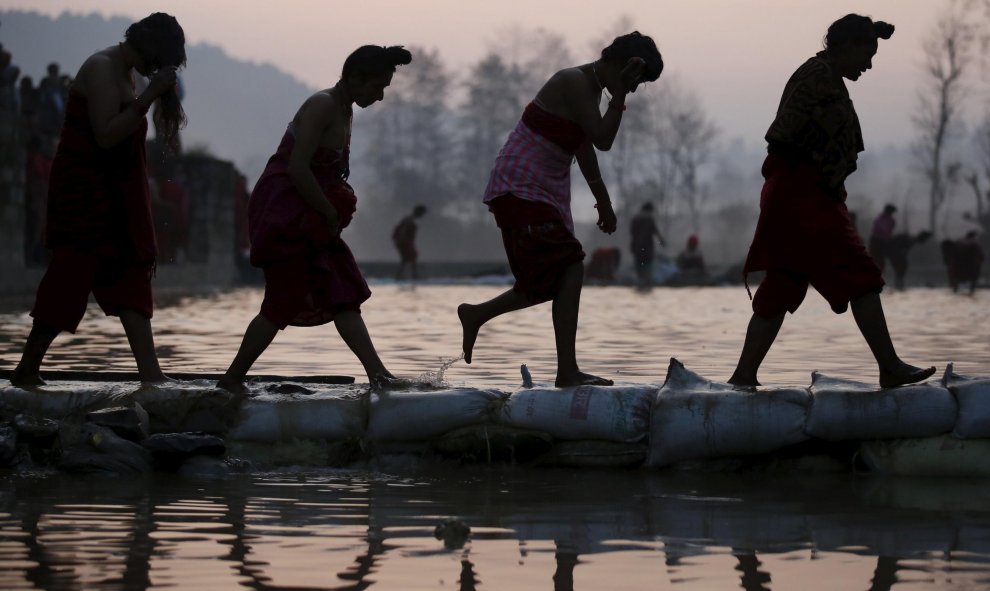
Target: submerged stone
(130,422)
(34,427)
(171,449)
(102,450)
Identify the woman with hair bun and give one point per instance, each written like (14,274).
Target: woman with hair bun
(804,235)
(529,191)
(297,211)
(99,225)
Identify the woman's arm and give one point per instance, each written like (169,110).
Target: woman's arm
(111,125)
(588,163)
(316,115)
(600,129)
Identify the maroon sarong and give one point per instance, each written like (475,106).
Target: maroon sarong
(309,274)
(804,236)
(99,224)
(537,243)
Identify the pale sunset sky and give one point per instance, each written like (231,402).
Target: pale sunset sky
(734,55)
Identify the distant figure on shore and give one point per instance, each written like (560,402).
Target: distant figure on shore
(644,233)
(404,238)
(529,191)
(297,211)
(963,260)
(881,234)
(898,248)
(604,264)
(99,224)
(690,259)
(804,234)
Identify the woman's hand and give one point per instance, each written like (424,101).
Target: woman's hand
(606,217)
(632,73)
(163,81)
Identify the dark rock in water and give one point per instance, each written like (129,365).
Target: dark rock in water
(8,445)
(288,389)
(130,422)
(453,532)
(171,449)
(102,450)
(488,443)
(33,427)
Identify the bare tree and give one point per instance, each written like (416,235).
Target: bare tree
(949,53)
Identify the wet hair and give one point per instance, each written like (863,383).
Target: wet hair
(855,28)
(636,44)
(419,210)
(161,43)
(369,61)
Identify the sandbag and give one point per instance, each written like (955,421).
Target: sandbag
(931,456)
(694,418)
(605,413)
(328,414)
(488,443)
(188,406)
(845,409)
(62,399)
(973,397)
(595,454)
(419,416)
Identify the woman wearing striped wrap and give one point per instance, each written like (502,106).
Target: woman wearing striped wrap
(529,191)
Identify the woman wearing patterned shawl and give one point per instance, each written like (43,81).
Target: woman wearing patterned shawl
(529,191)
(804,234)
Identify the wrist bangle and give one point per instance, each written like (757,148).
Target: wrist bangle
(612,105)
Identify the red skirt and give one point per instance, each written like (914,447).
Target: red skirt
(805,236)
(537,243)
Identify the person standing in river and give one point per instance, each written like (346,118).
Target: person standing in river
(529,191)
(99,225)
(296,214)
(804,235)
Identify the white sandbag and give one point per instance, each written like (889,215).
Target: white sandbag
(418,416)
(845,409)
(327,414)
(973,397)
(188,405)
(694,418)
(932,456)
(62,399)
(606,413)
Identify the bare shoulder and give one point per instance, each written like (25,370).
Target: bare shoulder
(95,72)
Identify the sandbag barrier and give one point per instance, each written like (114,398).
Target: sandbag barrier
(937,428)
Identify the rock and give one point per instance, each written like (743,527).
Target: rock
(172,449)
(102,450)
(130,422)
(453,532)
(33,427)
(8,445)
(205,467)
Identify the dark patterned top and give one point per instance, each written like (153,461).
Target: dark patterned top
(816,121)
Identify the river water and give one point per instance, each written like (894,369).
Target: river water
(531,529)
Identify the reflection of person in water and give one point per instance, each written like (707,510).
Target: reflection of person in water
(804,235)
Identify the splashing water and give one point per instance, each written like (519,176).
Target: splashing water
(435,378)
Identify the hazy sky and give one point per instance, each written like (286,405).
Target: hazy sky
(735,55)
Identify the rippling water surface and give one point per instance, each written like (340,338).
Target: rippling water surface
(530,529)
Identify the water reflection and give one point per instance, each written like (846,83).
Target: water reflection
(541,530)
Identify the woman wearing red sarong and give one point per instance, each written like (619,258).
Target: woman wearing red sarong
(297,210)
(529,191)
(99,224)
(804,235)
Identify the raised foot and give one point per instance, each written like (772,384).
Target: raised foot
(469,329)
(23,379)
(581,379)
(906,374)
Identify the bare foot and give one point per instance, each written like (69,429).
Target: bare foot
(470,328)
(744,382)
(231,385)
(23,379)
(905,374)
(581,379)
(386,381)
(159,380)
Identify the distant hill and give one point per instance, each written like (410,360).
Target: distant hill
(238,109)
